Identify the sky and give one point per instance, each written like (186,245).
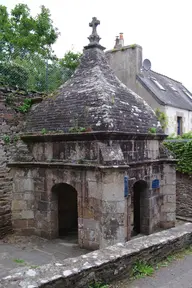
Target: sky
(161,27)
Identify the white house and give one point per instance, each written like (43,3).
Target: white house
(160,91)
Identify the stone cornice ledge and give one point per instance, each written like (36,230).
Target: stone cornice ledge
(87,166)
(65,165)
(106,265)
(90,136)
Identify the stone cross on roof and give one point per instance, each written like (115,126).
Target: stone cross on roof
(94,37)
(94,24)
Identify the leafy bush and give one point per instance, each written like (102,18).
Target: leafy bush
(183,153)
(187,135)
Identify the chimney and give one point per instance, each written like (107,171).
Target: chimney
(121,39)
(116,42)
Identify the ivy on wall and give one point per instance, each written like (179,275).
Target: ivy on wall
(162,117)
(182,150)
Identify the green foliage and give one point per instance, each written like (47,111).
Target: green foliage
(6,139)
(13,74)
(187,135)
(70,60)
(183,153)
(26,56)
(21,33)
(162,117)
(142,269)
(44,131)
(27,103)
(16,138)
(19,261)
(79,129)
(133,46)
(152,130)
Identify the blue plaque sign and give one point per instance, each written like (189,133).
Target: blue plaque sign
(155,184)
(126,186)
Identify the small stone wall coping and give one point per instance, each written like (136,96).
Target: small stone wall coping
(107,264)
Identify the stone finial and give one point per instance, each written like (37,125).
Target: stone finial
(94,37)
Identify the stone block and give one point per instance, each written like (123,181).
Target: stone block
(171,217)
(169,208)
(95,189)
(114,206)
(28,196)
(27,231)
(23,185)
(171,198)
(43,206)
(30,223)
(16,215)
(90,224)
(169,190)
(20,224)
(19,205)
(167,224)
(27,214)
(113,191)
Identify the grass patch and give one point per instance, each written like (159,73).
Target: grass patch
(19,261)
(141,269)
(34,266)
(22,262)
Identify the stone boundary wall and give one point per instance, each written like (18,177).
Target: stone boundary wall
(11,124)
(184,195)
(111,263)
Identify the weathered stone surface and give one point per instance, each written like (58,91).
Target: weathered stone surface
(93,169)
(11,124)
(105,265)
(94,98)
(184,195)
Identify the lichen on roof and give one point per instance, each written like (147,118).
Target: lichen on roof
(94,97)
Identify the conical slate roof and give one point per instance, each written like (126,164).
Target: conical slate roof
(94,98)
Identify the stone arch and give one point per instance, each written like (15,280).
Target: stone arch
(66,220)
(140,188)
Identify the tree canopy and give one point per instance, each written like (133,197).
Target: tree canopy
(27,59)
(20,33)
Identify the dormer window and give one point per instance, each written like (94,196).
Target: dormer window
(157,84)
(187,93)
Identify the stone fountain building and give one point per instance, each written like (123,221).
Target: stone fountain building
(92,156)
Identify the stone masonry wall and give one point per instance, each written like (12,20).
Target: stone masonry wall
(106,265)
(184,195)
(11,123)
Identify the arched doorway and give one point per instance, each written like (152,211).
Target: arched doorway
(139,189)
(66,197)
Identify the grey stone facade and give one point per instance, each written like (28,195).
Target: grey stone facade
(104,213)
